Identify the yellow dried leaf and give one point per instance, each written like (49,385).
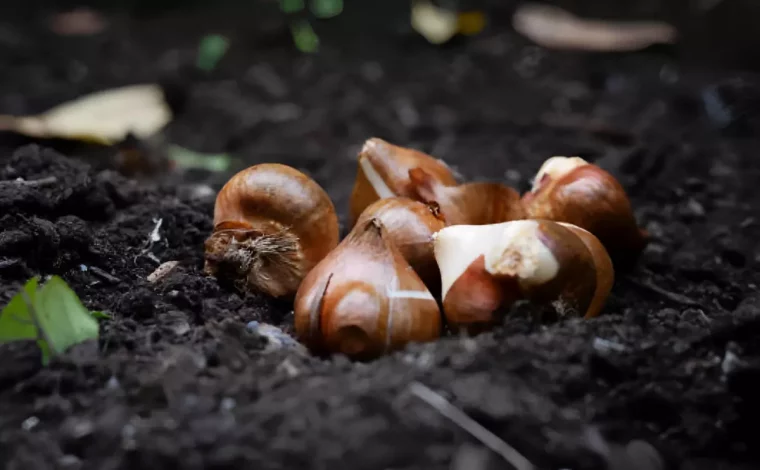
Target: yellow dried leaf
(434,24)
(104,117)
(471,22)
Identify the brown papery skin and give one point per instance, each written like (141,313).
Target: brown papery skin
(410,225)
(479,203)
(392,163)
(605,271)
(284,219)
(343,304)
(473,299)
(593,199)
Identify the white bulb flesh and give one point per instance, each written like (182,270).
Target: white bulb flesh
(556,167)
(509,248)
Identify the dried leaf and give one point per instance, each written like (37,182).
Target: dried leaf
(437,25)
(553,27)
(104,117)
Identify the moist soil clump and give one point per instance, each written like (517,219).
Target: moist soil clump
(667,377)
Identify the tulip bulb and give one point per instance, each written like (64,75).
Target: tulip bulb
(410,225)
(574,191)
(488,267)
(383,172)
(478,203)
(272,225)
(364,300)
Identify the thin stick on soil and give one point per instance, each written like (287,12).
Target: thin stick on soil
(105,275)
(31,183)
(491,440)
(673,296)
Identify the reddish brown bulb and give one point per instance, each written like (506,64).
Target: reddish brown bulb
(478,203)
(574,191)
(272,225)
(486,268)
(383,172)
(410,226)
(364,300)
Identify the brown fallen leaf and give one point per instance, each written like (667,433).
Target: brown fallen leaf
(553,27)
(104,117)
(78,22)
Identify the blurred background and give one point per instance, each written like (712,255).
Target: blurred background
(305,82)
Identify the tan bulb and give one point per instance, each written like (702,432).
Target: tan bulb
(383,172)
(569,189)
(485,268)
(364,300)
(272,225)
(478,203)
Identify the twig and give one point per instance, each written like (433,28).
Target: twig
(6,263)
(461,419)
(153,237)
(675,297)
(105,275)
(31,183)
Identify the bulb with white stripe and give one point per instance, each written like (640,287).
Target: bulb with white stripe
(383,172)
(486,268)
(364,299)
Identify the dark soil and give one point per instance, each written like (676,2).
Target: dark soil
(176,380)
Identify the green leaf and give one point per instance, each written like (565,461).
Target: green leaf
(291,6)
(16,321)
(326,8)
(304,37)
(210,51)
(100,315)
(62,316)
(186,158)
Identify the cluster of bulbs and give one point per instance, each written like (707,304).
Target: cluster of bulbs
(417,230)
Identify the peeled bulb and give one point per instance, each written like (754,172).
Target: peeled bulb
(485,268)
(364,300)
(272,225)
(410,226)
(477,203)
(384,172)
(569,189)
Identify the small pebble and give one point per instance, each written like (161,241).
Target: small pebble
(30,423)
(276,338)
(605,346)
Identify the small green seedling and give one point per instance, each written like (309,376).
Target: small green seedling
(187,159)
(304,37)
(51,314)
(291,6)
(210,51)
(326,8)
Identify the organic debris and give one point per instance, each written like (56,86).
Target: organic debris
(52,315)
(104,117)
(553,27)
